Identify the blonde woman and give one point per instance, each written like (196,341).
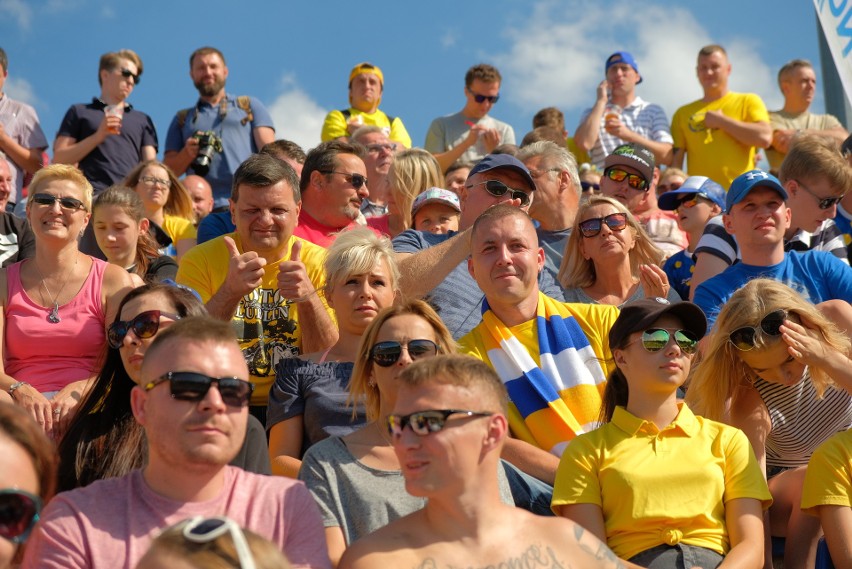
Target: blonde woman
(411,173)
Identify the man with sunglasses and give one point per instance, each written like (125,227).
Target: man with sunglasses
(192,403)
(756,213)
(448,428)
(471,133)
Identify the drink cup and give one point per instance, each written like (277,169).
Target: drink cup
(115,111)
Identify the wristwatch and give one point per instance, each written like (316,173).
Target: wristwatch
(15,386)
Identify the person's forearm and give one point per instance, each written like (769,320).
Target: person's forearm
(178,161)
(75,152)
(587,133)
(662,150)
(423,271)
(745,555)
(318,330)
(285,466)
(677,157)
(531,459)
(451,156)
(838,133)
(749,133)
(28,159)
(223,304)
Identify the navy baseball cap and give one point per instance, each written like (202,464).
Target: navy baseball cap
(744,183)
(698,185)
(622,57)
(505,161)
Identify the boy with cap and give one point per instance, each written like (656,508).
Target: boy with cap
(698,200)
(436,211)
(366,84)
(619,115)
(756,213)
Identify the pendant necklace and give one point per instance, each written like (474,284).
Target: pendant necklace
(53,316)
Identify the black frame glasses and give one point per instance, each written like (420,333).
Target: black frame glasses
(70,204)
(193,386)
(385,354)
(824,203)
(127,74)
(144,325)
(635,181)
(357,180)
(743,338)
(482,98)
(656,339)
(425,423)
(592,227)
(498,189)
(19,512)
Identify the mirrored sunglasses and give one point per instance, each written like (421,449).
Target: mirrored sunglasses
(615,222)
(633,180)
(385,354)
(655,339)
(71,204)
(498,189)
(144,325)
(425,423)
(193,386)
(744,338)
(19,511)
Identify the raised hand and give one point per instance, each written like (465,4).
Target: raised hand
(245,270)
(293,282)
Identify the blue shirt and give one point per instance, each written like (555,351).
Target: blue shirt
(215,224)
(679,269)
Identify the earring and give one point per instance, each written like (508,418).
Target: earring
(371,383)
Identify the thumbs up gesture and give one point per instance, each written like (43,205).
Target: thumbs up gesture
(245,270)
(293,281)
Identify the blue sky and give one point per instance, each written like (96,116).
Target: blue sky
(296,56)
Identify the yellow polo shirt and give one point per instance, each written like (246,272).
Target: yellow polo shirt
(828,479)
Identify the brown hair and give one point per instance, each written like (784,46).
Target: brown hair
(179,203)
(709,50)
(131,204)
(112,60)
(484,72)
(791,66)
(207,50)
(812,157)
(17,426)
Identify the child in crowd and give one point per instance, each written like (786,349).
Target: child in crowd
(436,211)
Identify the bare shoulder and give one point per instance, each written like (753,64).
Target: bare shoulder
(390,546)
(116,278)
(560,540)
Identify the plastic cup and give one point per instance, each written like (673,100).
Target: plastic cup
(115,111)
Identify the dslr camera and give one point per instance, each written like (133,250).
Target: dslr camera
(208,144)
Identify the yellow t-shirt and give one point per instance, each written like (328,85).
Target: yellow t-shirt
(178,228)
(267,327)
(828,479)
(335,125)
(660,486)
(715,153)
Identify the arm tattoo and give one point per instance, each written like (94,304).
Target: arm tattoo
(534,557)
(598,550)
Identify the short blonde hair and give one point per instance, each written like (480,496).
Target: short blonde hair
(63,172)
(357,252)
(412,172)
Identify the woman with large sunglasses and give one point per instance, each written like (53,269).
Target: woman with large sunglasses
(779,369)
(56,305)
(307,402)
(609,259)
(663,488)
(27,478)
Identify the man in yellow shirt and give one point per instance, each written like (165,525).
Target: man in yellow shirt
(720,131)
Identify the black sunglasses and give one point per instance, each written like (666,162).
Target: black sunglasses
(655,339)
(357,180)
(19,511)
(127,74)
(633,180)
(425,423)
(498,189)
(72,204)
(743,338)
(588,186)
(192,386)
(144,325)
(482,98)
(385,354)
(824,203)
(615,222)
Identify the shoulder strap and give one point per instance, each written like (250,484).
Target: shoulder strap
(346,114)
(181,117)
(244,102)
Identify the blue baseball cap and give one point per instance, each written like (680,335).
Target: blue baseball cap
(622,57)
(744,183)
(506,161)
(698,185)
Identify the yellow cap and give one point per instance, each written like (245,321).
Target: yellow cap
(366,68)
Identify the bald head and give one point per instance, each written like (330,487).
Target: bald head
(202,195)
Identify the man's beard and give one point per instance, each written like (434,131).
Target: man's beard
(210,90)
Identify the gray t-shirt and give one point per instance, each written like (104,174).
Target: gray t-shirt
(553,243)
(579,295)
(449,131)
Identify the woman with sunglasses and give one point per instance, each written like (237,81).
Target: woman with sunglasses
(307,402)
(27,478)
(778,368)
(56,305)
(411,173)
(168,206)
(609,259)
(660,485)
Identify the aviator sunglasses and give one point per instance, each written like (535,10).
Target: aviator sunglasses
(192,386)
(655,339)
(19,511)
(385,354)
(145,325)
(357,180)
(633,180)
(71,204)
(498,189)
(425,423)
(615,222)
(743,338)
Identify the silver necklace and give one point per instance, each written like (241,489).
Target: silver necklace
(53,316)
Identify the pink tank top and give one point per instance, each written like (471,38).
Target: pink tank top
(50,356)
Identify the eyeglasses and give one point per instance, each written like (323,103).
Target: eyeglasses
(71,204)
(824,203)
(127,74)
(588,186)
(498,189)
(425,423)
(145,325)
(633,180)
(615,222)
(377,148)
(743,338)
(357,180)
(385,354)
(152,181)
(482,98)
(535,174)
(19,511)
(655,339)
(204,530)
(192,386)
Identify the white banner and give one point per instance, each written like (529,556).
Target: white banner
(835,17)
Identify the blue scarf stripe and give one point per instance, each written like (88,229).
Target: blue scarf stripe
(560,333)
(531,392)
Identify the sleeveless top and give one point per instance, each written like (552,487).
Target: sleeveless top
(800,421)
(50,356)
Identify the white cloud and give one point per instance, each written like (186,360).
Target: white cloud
(296,116)
(449,39)
(18,11)
(20,90)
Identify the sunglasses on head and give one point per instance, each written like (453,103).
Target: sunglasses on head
(145,325)
(385,354)
(192,386)
(127,74)
(204,530)
(357,180)
(615,222)
(655,339)
(588,186)
(824,203)
(482,98)
(425,423)
(744,338)
(19,511)
(498,189)
(71,204)
(633,180)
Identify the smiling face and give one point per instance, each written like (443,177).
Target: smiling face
(356,299)
(208,73)
(133,348)
(660,372)
(265,218)
(53,222)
